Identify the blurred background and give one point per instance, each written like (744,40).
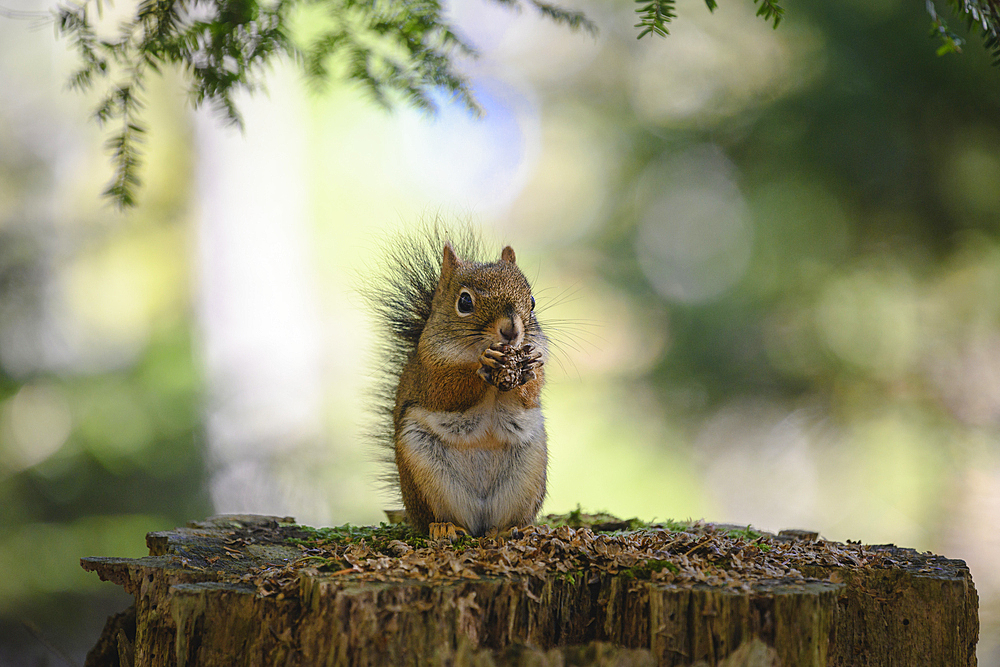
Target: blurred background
(769,261)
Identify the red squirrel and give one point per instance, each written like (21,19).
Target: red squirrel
(465,372)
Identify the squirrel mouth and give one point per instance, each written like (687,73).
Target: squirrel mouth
(508,330)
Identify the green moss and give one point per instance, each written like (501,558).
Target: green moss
(747,533)
(675,526)
(574,517)
(646,569)
(598,521)
(377,537)
(573,576)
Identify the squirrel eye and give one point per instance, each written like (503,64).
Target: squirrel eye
(532,303)
(465,304)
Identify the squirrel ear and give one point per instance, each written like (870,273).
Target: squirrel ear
(508,255)
(450,260)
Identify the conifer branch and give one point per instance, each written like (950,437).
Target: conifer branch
(770,11)
(396,50)
(983,15)
(654,15)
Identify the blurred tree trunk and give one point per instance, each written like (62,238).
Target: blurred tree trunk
(199,602)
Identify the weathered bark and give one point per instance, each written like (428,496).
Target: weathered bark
(192,608)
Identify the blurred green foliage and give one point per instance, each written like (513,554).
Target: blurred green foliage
(100,393)
(852,186)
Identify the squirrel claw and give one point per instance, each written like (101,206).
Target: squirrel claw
(528,366)
(533,361)
(446,531)
(506,367)
(492,357)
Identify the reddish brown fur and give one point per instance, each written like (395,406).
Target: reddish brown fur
(431,382)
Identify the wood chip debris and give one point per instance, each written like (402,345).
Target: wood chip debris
(702,555)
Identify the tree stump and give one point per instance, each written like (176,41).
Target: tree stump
(255,590)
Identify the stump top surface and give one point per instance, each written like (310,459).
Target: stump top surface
(274,592)
(269,555)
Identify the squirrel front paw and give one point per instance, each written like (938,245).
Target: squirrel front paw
(506,367)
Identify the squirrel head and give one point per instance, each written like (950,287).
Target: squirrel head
(477,304)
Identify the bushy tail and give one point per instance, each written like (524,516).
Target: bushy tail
(399,298)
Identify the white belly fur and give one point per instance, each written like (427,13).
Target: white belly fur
(484,467)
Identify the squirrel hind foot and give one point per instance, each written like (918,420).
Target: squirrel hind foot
(512,533)
(446,531)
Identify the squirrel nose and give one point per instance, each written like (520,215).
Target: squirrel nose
(511,330)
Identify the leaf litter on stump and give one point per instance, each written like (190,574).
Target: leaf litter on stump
(669,594)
